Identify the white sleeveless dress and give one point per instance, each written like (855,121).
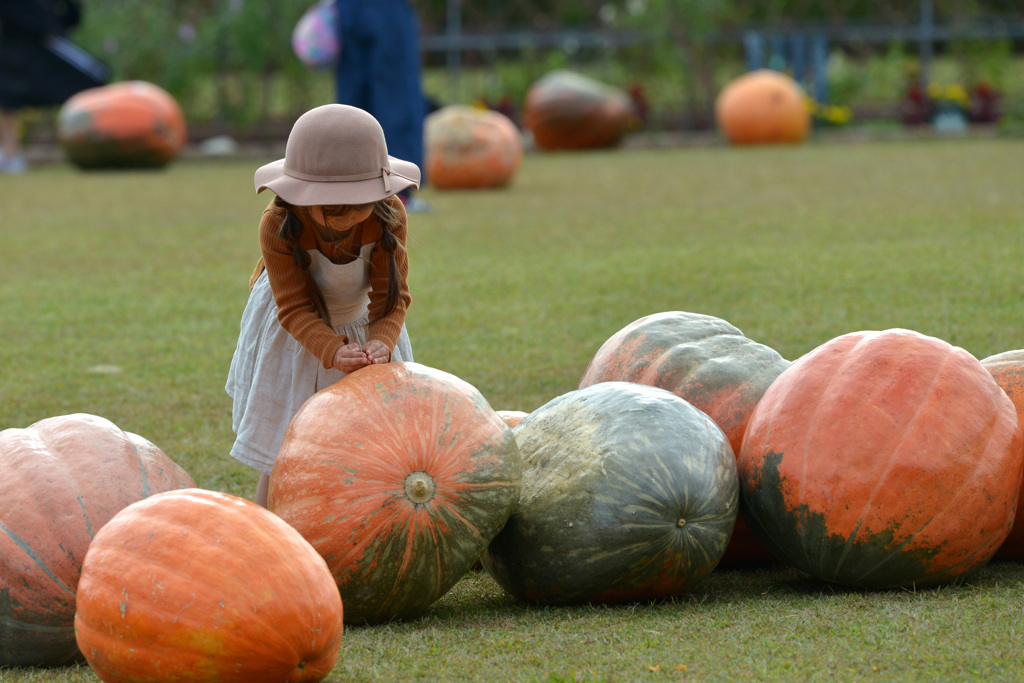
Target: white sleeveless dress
(272,374)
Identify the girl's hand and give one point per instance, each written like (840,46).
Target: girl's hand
(377,352)
(350,358)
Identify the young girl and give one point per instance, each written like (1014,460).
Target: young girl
(329,294)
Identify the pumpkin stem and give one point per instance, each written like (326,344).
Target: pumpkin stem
(419,487)
(681,523)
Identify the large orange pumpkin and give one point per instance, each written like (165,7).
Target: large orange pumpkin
(399,475)
(762,106)
(61,480)
(468,147)
(132,124)
(200,586)
(883,460)
(567,110)
(1007,369)
(706,361)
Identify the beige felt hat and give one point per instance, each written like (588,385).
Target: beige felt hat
(336,154)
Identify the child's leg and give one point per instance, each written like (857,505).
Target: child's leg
(262,489)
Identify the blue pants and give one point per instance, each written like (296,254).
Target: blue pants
(379,70)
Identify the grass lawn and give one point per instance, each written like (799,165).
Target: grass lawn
(121,292)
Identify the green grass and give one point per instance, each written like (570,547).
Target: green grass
(120,295)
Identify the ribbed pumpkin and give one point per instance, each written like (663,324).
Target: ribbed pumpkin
(469,148)
(762,107)
(567,110)
(61,480)
(202,586)
(1007,369)
(883,460)
(706,361)
(399,475)
(629,493)
(132,124)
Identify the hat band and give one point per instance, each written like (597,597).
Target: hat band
(384,171)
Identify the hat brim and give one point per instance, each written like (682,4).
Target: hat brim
(299,192)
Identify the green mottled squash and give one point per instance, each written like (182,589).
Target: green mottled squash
(61,479)
(883,460)
(399,475)
(706,361)
(629,493)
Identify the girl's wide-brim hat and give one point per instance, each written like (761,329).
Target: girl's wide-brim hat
(336,154)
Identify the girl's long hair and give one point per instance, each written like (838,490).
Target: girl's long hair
(388,216)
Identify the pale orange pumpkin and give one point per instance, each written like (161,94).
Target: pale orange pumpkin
(202,586)
(61,480)
(763,107)
(468,147)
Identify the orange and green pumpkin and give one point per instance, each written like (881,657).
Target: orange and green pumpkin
(202,586)
(1007,369)
(883,460)
(706,361)
(61,480)
(468,148)
(131,124)
(399,475)
(763,107)
(629,493)
(567,110)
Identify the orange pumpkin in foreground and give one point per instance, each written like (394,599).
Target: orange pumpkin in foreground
(468,147)
(132,124)
(1007,369)
(399,475)
(203,586)
(762,107)
(883,460)
(61,480)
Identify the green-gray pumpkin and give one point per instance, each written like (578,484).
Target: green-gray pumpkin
(629,493)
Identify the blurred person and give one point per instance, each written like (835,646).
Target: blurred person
(39,66)
(379,70)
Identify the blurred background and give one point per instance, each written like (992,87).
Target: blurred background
(868,66)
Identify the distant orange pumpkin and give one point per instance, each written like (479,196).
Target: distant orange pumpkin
(131,124)
(468,147)
(763,107)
